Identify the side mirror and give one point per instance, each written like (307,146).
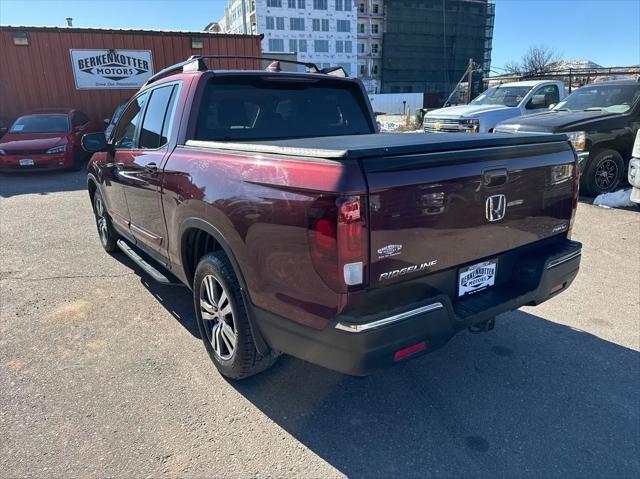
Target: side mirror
(94,142)
(537,101)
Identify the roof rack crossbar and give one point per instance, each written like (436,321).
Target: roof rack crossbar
(196,63)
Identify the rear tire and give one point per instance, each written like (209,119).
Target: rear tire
(222,319)
(603,173)
(108,236)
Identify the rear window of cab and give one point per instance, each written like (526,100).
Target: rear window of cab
(266,108)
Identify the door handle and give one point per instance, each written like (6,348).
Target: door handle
(495,177)
(151,167)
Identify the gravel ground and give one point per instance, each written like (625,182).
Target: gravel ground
(102,373)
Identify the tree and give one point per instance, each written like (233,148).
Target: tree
(538,59)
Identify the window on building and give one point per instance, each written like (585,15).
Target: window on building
(320,4)
(375,28)
(361,8)
(348,46)
(361,48)
(374,69)
(344,26)
(155,126)
(302,46)
(375,8)
(339,4)
(375,48)
(279,23)
(339,46)
(296,24)
(276,45)
(271,23)
(128,124)
(292,3)
(321,46)
(293,45)
(325,24)
(315,24)
(274,3)
(360,27)
(363,70)
(302,4)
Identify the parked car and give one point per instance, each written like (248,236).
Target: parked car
(110,123)
(495,105)
(300,229)
(46,139)
(601,121)
(634,170)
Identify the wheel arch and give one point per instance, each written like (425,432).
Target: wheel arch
(188,234)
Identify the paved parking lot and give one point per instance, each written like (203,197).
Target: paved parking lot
(102,373)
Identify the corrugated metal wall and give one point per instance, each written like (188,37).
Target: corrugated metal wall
(40,75)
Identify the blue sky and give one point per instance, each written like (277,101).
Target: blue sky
(604,31)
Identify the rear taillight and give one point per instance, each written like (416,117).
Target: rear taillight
(338,241)
(576,188)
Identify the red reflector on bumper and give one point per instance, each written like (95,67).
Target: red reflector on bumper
(403,353)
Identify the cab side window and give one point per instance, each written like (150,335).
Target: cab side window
(544,97)
(157,118)
(125,135)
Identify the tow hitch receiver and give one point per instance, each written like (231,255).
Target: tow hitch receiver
(483,327)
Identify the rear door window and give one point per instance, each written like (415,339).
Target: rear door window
(155,127)
(259,108)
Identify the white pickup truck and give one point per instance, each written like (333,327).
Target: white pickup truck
(496,104)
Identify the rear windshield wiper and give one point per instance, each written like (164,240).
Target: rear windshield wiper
(561,109)
(594,108)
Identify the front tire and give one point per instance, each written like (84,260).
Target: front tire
(603,172)
(108,236)
(222,319)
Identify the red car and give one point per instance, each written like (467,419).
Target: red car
(46,139)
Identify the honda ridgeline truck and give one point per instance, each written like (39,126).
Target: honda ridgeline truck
(302,230)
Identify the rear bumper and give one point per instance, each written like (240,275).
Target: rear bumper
(358,348)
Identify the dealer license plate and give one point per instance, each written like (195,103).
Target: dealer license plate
(477,277)
(26,162)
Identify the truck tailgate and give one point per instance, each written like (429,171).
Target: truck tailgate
(439,210)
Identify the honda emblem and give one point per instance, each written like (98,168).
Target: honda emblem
(495,207)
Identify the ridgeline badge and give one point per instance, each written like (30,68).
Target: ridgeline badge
(106,69)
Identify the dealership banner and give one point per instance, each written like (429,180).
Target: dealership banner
(111,69)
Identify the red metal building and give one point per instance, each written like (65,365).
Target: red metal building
(94,69)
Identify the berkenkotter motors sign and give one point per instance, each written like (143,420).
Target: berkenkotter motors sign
(99,69)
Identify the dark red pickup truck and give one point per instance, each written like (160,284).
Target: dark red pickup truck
(301,229)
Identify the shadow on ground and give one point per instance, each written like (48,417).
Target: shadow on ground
(530,399)
(42,183)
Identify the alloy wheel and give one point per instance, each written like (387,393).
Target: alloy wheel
(101,221)
(217,317)
(606,174)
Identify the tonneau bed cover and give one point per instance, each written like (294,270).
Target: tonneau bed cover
(378,144)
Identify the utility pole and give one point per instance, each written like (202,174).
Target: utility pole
(469,80)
